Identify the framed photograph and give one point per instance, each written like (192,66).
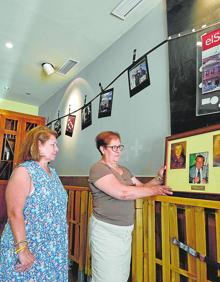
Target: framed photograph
(105,103)
(193,161)
(138,76)
(198,168)
(178,155)
(70,125)
(86,116)
(57,127)
(216,150)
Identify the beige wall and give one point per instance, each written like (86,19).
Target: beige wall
(18,107)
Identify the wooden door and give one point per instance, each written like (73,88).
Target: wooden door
(13,128)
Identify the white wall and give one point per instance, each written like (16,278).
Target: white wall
(143,120)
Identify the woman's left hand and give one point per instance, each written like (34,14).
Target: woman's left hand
(161,172)
(26,259)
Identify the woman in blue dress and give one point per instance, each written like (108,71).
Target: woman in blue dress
(33,245)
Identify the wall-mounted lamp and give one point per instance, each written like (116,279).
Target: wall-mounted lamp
(48,68)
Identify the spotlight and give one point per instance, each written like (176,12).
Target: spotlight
(48,68)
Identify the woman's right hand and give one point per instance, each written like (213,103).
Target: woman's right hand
(161,190)
(26,259)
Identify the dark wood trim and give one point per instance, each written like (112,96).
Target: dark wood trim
(194,132)
(75,180)
(83,180)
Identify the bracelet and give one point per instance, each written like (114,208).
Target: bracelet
(20,242)
(20,249)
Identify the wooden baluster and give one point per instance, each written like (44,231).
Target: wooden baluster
(191,240)
(175,261)
(200,243)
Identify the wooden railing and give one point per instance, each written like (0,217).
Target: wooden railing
(194,222)
(78,212)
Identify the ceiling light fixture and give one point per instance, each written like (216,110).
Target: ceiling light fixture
(9,45)
(48,68)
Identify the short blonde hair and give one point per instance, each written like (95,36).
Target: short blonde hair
(30,148)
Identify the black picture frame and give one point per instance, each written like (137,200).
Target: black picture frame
(70,125)
(138,76)
(86,116)
(57,127)
(105,103)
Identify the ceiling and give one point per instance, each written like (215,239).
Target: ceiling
(55,31)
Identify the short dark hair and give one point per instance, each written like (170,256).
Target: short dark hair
(201,156)
(104,138)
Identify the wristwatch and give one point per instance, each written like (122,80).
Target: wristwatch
(159,178)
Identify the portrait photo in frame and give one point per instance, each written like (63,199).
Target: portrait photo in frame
(198,168)
(70,125)
(178,156)
(57,127)
(138,76)
(200,172)
(86,116)
(105,103)
(216,150)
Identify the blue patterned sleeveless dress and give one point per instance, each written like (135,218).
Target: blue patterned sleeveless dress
(46,231)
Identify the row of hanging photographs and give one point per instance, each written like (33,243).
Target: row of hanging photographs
(138,77)
(105,109)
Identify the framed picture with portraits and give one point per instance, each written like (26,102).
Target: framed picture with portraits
(138,76)
(192,161)
(105,103)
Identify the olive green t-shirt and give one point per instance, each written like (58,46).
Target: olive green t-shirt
(105,207)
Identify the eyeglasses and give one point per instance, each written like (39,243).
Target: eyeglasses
(116,148)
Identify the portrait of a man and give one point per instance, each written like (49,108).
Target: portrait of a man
(198,172)
(178,157)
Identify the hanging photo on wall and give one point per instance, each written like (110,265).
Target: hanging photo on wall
(105,103)
(138,76)
(57,127)
(86,115)
(70,125)
(208,72)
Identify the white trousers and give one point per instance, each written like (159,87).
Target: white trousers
(110,250)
